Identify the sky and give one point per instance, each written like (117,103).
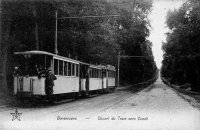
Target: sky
(157,19)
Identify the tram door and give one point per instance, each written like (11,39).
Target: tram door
(84,77)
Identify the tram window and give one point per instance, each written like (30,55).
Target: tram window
(77,70)
(113,74)
(90,72)
(65,68)
(55,67)
(99,73)
(96,73)
(93,73)
(69,69)
(60,67)
(73,69)
(48,62)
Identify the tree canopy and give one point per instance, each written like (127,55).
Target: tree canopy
(182,49)
(30,25)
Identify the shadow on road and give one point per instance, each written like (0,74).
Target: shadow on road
(38,103)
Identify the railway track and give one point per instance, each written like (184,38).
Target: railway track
(27,106)
(74,106)
(97,103)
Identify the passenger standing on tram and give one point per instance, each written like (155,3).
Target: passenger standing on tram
(50,77)
(40,71)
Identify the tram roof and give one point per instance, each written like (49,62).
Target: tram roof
(110,67)
(97,66)
(34,52)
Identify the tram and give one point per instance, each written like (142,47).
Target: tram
(73,77)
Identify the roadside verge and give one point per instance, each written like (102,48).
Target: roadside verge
(178,88)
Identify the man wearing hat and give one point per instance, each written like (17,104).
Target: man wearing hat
(50,77)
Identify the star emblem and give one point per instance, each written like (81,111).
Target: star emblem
(16,115)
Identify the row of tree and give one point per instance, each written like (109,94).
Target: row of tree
(181,62)
(30,25)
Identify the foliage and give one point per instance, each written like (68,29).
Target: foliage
(182,49)
(92,40)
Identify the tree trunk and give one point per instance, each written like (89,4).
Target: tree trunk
(1,56)
(5,44)
(36,36)
(36,29)
(3,88)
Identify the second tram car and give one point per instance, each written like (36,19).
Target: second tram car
(73,76)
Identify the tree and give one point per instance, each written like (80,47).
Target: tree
(18,25)
(182,46)
(30,25)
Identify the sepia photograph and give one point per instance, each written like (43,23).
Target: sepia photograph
(99,65)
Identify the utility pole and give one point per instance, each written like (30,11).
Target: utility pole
(56,33)
(118,65)
(143,72)
(36,29)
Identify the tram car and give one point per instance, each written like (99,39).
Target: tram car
(74,78)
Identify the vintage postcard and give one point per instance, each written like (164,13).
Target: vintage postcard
(99,65)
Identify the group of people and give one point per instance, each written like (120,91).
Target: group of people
(49,82)
(41,71)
